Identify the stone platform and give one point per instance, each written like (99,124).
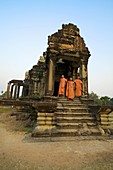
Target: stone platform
(70,118)
(59,117)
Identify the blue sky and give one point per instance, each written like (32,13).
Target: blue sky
(26,24)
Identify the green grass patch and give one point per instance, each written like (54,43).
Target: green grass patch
(5,109)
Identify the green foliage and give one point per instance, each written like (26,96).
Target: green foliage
(4,94)
(104,100)
(95,97)
(5,109)
(107,100)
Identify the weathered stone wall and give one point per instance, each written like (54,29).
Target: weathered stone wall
(106,116)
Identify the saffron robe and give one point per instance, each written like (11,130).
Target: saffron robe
(62,86)
(70,90)
(78,87)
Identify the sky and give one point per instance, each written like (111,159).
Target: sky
(26,24)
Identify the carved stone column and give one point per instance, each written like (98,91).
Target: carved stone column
(12,86)
(38,88)
(18,91)
(51,78)
(35,88)
(30,92)
(8,90)
(25,90)
(84,75)
(43,85)
(15,91)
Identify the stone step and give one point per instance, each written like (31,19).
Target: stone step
(77,132)
(78,117)
(71,108)
(74,109)
(74,118)
(74,130)
(69,102)
(73,125)
(75,106)
(75,121)
(66,114)
(65,98)
(72,104)
(71,118)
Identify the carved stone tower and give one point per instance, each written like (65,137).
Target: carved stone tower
(67,54)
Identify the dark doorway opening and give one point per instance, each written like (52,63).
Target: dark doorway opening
(56,88)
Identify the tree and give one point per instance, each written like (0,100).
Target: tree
(4,94)
(105,100)
(95,97)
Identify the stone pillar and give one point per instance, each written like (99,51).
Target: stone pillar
(35,88)
(84,75)
(30,88)
(51,78)
(18,91)
(38,88)
(24,91)
(8,90)
(15,91)
(12,86)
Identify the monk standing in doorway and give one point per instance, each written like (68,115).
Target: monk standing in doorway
(78,87)
(62,86)
(70,89)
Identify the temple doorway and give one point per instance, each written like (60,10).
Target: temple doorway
(59,70)
(68,69)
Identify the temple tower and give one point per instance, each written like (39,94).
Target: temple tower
(66,54)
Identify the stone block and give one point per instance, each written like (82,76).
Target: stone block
(104,123)
(104,119)
(110,119)
(49,114)
(49,118)
(48,122)
(41,122)
(41,118)
(41,114)
(104,115)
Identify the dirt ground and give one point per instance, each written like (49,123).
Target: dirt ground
(18,151)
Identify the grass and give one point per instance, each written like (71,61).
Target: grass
(6,109)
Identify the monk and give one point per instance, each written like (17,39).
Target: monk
(78,87)
(62,86)
(70,89)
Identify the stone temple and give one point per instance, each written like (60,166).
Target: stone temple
(39,102)
(66,54)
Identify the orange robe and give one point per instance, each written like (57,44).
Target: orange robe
(70,90)
(78,87)
(62,86)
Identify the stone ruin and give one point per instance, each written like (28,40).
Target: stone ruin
(54,116)
(66,54)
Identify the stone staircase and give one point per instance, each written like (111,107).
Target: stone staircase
(74,118)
